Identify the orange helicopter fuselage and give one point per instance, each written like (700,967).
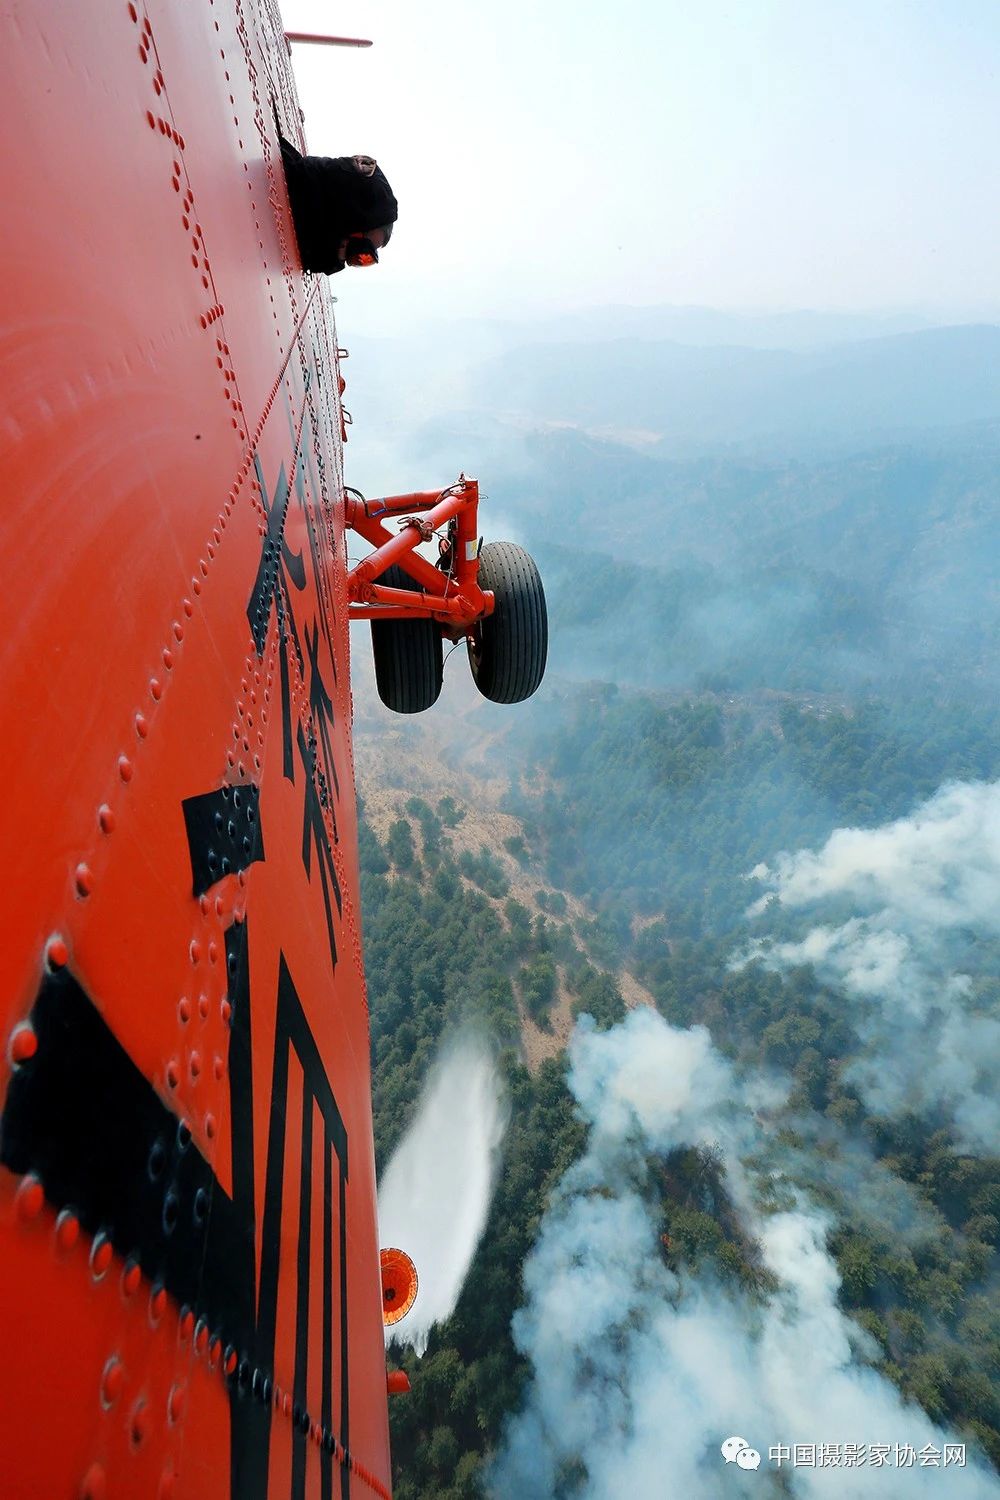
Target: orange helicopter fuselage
(189,1262)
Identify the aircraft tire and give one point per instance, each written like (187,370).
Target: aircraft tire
(408,656)
(508,649)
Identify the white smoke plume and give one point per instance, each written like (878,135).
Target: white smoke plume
(923,891)
(435,1193)
(639,1375)
(838,1169)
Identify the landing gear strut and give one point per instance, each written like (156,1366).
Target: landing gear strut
(490,595)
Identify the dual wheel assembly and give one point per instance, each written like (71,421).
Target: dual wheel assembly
(507,649)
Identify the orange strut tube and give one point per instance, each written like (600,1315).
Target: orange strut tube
(455,599)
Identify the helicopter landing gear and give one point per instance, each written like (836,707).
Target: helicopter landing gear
(491,596)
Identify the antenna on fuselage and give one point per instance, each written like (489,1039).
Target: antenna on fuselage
(324,41)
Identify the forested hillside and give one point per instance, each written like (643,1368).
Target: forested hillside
(639,821)
(446,942)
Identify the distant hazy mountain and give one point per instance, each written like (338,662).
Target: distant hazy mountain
(875,566)
(685,397)
(800,329)
(723,395)
(795,516)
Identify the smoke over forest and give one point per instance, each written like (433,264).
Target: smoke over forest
(638,1368)
(731,922)
(926,893)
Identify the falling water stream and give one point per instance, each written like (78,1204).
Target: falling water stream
(435,1193)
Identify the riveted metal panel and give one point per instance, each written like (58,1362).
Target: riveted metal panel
(188,1255)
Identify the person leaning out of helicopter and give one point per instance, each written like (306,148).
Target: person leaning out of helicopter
(342,207)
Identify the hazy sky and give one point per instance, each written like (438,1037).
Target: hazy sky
(756,153)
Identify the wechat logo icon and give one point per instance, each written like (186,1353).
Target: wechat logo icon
(738,1451)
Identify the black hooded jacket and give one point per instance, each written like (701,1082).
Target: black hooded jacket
(330,199)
